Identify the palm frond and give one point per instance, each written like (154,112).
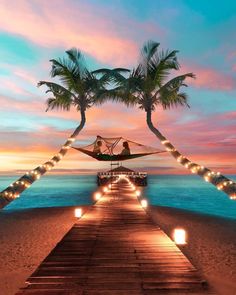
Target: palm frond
(59,102)
(77,58)
(169,95)
(161,64)
(62,99)
(149,49)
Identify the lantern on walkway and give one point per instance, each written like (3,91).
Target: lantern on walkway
(78,212)
(179,236)
(144,203)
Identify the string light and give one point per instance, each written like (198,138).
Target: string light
(206,178)
(179,158)
(72,139)
(164,141)
(219,187)
(233,197)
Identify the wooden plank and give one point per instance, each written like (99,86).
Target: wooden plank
(115,249)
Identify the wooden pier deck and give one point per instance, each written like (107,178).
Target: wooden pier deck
(115,249)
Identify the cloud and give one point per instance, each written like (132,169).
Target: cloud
(98,31)
(209,78)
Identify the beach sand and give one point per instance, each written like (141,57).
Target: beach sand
(27,237)
(211,244)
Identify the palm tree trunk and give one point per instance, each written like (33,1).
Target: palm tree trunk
(15,189)
(217,179)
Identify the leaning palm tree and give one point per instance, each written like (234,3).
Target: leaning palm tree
(148,87)
(79,88)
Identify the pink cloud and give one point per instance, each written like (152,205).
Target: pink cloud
(209,78)
(85,26)
(234,67)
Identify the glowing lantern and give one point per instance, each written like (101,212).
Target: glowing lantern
(109,186)
(78,212)
(97,196)
(180,236)
(138,193)
(144,203)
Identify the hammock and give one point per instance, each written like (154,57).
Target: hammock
(111,148)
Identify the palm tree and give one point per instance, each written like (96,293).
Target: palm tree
(148,87)
(79,88)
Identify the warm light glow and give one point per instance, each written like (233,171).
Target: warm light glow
(97,196)
(233,197)
(206,179)
(164,141)
(109,186)
(78,212)
(179,159)
(105,189)
(179,236)
(144,203)
(138,193)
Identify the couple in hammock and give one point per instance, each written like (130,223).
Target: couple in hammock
(98,144)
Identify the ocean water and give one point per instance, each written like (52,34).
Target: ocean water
(188,192)
(53,191)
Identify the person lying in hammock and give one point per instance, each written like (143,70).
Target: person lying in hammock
(126,149)
(97,147)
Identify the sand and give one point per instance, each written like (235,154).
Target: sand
(211,244)
(27,237)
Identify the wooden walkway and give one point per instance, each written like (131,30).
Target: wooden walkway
(115,249)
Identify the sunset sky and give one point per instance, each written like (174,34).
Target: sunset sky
(110,34)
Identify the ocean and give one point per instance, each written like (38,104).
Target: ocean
(188,192)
